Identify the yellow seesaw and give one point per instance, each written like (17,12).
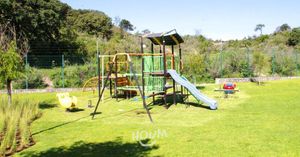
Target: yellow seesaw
(66,101)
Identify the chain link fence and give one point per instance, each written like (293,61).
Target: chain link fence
(60,71)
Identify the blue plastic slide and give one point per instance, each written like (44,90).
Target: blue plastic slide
(193,90)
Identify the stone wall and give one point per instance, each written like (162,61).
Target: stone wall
(47,90)
(261,79)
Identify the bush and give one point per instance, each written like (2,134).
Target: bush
(35,80)
(294,38)
(74,76)
(284,65)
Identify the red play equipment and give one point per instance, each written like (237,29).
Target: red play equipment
(229,85)
(228,88)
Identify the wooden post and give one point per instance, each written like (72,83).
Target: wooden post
(110,81)
(116,77)
(173,67)
(98,71)
(152,51)
(180,67)
(165,70)
(143,68)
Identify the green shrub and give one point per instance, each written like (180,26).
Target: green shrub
(74,76)
(35,80)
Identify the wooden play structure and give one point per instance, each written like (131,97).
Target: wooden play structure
(151,74)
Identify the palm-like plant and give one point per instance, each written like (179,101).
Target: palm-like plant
(259,27)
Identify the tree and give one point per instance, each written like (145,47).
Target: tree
(146,31)
(259,27)
(294,38)
(259,62)
(204,44)
(35,19)
(92,22)
(126,25)
(10,66)
(283,27)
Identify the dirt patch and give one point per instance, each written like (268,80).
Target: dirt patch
(48,82)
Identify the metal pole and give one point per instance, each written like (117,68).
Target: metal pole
(62,70)
(98,70)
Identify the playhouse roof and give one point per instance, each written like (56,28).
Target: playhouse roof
(170,38)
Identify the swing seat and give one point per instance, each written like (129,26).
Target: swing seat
(66,101)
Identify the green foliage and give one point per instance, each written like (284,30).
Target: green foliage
(195,67)
(246,70)
(284,64)
(92,22)
(39,20)
(74,76)
(126,25)
(259,27)
(283,28)
(34,78)
(15,120)
(262,38)
(294,37)
(204,44)
(260,62)
(10,64)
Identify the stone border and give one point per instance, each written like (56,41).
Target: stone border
(262,79)
(47,90)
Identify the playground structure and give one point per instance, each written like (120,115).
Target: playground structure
(149,74)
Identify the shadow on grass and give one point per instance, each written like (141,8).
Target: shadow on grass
(60,125)
(179,99)
(45,105)
(115,148)
(200,86)
(74,110)
(197,105)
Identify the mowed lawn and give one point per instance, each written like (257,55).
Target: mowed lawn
(258,121)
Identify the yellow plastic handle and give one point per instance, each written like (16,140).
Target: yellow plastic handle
(122,54)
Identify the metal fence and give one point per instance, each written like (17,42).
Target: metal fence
(73,71)
(58,67)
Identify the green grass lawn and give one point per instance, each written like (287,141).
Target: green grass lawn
(258,121)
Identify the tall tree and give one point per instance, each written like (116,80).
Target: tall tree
(92,22)
(35,19)
(283,27)
(10,66)
(126,25)
(259,27)
(260,62)
(294,38)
